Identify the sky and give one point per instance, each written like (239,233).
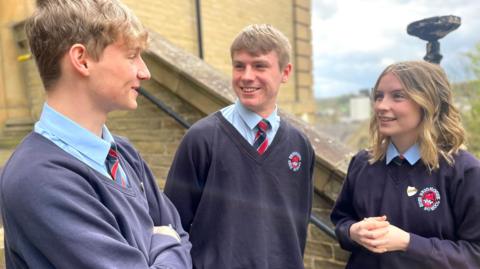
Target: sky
(353,40)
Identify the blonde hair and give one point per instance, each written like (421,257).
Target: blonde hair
(440,131)
(257,39)
(56,25)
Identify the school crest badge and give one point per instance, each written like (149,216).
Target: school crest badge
(294,161)
(429,199)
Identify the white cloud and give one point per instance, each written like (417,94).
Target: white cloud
(354,40)
(333,87)
(386,61)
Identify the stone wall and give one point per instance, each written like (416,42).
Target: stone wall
(177,22)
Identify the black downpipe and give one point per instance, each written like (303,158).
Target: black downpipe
(199,28)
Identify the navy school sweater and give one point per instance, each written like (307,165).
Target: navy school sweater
(60,213)
(242,209)
(441,212)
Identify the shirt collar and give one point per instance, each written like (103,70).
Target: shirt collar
(412,155)
(251,118)
(75,135)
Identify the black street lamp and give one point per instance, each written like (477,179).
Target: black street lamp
(431,30)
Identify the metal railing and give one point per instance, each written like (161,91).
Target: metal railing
(322,226)
(164,108)
(315,220)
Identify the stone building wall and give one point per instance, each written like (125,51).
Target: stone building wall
(177,22)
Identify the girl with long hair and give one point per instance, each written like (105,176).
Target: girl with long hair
(412,199)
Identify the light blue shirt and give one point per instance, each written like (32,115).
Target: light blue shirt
(74,139)
(412,155)
(245,121)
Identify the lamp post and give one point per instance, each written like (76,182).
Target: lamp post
(431,30)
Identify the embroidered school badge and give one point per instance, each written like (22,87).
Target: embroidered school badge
(429,199)
(294,161)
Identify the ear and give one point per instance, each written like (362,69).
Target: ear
(287,70)
(79,59)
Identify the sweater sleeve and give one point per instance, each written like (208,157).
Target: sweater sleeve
(62,216)
(165,250)
(343,213)
(464,252)
(188,174)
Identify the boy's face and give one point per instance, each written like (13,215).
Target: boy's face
(256,80)
(116,76)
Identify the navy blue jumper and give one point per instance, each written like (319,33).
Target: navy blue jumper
(242,209)
(60,213)
(441,212)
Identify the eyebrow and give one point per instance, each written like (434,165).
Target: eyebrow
(136,49)
(253,62)
(394,90)
(261,62)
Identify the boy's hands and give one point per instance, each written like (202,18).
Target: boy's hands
(166,230)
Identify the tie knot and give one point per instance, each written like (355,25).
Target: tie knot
(399,159)
(263,125)
(114,168)
(112,153)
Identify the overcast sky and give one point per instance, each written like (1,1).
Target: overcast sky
(353,41)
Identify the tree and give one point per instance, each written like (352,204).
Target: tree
(472,92)
(474,57)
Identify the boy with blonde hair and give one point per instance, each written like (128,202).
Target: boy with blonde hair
(242,177)
(72,194)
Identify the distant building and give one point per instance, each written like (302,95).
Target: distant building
(359,108)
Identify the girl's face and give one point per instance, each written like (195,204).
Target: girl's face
(398,116)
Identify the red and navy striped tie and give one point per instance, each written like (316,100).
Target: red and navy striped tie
(114,168)
(261,140)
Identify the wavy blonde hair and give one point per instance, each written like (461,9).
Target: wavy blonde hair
(56,25)
(441,133)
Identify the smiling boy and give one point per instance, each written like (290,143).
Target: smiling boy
(242,177)
(72,194)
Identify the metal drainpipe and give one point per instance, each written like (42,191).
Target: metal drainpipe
(199,28)
(294,53)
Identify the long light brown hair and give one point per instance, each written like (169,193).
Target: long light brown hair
(441,133)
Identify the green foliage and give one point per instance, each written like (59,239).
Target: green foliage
(474,57)
(472,93)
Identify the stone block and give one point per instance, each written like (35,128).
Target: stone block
(328,264)
(303,48)
(303,32)
(319,250)
(302,16)
(339,254)
(303,63)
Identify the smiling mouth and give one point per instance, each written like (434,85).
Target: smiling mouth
(386,119)
(248,89)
